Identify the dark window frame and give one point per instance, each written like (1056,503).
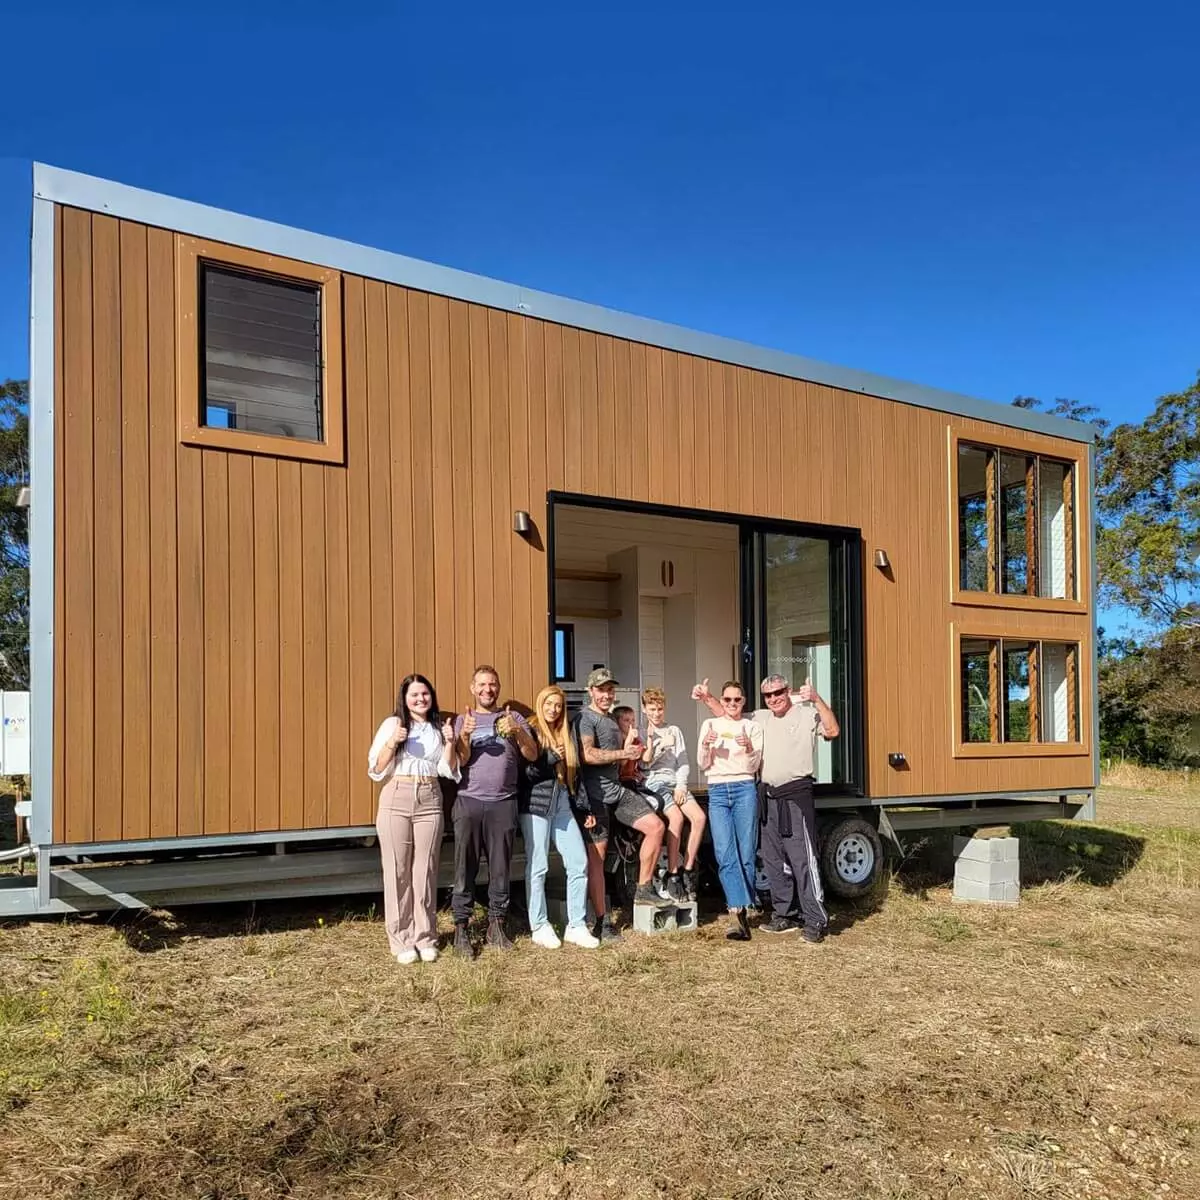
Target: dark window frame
(192,255)
(567,629)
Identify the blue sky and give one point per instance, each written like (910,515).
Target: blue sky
(997,201)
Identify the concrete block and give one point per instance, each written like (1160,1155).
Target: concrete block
(974,849)
(969,891)
(987,872)
(677,918)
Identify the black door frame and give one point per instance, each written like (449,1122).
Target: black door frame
(847,599)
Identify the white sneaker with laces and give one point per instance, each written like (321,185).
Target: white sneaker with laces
(544,935)
(406,957)
(579,935)
(428,953)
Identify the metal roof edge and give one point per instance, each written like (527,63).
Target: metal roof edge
(200,220)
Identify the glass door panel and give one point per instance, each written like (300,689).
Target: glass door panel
(802,598)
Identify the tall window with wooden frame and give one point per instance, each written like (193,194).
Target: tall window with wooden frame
(1018,690)
(1016,523)
(259,352)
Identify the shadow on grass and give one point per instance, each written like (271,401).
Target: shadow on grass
(1051,852)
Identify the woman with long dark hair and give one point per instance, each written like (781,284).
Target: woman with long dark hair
(413,749)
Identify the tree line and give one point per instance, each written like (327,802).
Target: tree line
(1147,556)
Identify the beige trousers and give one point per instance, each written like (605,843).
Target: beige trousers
(409,824)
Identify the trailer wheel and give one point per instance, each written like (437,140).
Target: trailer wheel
(851,857)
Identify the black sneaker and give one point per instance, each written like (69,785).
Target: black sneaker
(496,937)
(675,889)
(780,925)
(607,932)
(645,894)
(462,943)
(810,934)
(688,879)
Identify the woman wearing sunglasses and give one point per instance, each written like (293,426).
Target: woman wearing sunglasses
(730,754)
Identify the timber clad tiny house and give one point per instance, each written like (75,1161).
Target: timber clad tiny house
(273,472)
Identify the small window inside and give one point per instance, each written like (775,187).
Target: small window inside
(564,653)
(260,354)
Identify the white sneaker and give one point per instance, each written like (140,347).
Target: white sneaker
(406,957)
(544,935)
(578,935)
(428,953)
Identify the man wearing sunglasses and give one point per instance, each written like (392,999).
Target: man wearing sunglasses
(790,724)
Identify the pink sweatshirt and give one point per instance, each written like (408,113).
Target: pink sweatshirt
(725,761)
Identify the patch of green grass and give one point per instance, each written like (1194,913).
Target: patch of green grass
(945,926)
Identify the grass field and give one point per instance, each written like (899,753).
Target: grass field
(926,1050)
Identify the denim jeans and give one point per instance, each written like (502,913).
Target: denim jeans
(568,841)
(733,820)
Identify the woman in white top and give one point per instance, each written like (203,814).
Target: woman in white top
(666,762)
(413,749)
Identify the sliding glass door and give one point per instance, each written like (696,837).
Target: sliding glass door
(801,602)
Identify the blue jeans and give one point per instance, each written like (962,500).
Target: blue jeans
(733,820)
(568,841)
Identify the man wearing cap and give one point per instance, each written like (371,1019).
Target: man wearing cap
(790,724)
(603,749)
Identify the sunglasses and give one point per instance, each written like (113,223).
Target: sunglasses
(776,693)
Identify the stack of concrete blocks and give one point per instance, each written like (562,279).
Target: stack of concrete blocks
(987,870)
(679,918)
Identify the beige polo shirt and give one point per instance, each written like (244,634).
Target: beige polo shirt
(789,742)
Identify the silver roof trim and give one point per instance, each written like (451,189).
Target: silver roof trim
(185,216)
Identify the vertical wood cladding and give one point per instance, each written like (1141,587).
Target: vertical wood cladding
(230,628)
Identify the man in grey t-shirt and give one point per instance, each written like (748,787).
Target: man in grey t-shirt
(603,749)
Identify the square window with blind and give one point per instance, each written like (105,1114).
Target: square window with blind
(1016,523)
(1018,690)
(259,353)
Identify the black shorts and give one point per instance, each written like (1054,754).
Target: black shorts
(629,807)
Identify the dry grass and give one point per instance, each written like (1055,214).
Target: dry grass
(927,1050)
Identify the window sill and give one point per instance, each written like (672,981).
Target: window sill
(191,434)
(1017,603)
(1021,750)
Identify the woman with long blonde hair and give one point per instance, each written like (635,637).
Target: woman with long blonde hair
(550,795)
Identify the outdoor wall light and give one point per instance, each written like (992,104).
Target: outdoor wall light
(881,560)
(522,522)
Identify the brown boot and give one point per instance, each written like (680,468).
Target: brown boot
(496,937)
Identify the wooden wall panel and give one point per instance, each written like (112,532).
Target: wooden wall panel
(135,531)
(232,628)
(243,756)
(364,717)
(58,815)
(315,643)
(107,766)
(76,524)
(163,502)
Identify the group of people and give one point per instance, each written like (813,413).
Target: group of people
(566,781)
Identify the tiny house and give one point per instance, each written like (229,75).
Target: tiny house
(272,472)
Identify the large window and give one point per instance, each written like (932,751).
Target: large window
(1016,524)
(1018,690)
(259,352)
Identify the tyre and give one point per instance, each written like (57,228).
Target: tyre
(851,857)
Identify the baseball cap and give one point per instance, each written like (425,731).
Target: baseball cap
(601,677)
